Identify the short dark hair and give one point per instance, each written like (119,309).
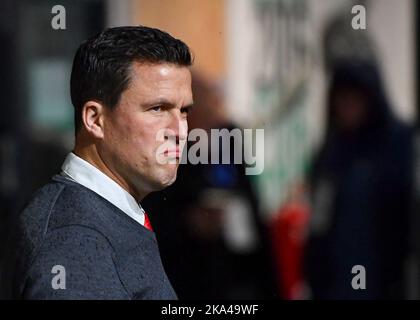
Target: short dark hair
(101,66)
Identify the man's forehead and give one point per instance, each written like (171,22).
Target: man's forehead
(162,71)
(163,82)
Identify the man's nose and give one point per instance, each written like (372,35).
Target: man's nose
(178,128)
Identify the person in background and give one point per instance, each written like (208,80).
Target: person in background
(361,186)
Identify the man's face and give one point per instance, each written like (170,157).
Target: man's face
(155,103)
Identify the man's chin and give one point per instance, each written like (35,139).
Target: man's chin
(170,181)
(165,181)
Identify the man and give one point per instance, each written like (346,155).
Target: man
(85,235)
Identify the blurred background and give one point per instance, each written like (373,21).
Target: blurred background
(339,109)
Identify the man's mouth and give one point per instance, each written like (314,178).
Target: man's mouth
(172,153)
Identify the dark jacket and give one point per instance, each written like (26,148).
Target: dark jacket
(105,254)
(369,174)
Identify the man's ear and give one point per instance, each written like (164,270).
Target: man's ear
(93,114)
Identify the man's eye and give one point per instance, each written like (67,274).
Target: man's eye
(185,110)
(157,108)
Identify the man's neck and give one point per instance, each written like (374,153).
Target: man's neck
(90,154)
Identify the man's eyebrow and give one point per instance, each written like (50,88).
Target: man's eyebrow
(159,102)
(164,101)
(189,106)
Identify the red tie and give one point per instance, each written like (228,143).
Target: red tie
(147,223)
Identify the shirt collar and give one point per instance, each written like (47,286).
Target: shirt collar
(82,172)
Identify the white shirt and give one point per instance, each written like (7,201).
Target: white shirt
(82,172)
